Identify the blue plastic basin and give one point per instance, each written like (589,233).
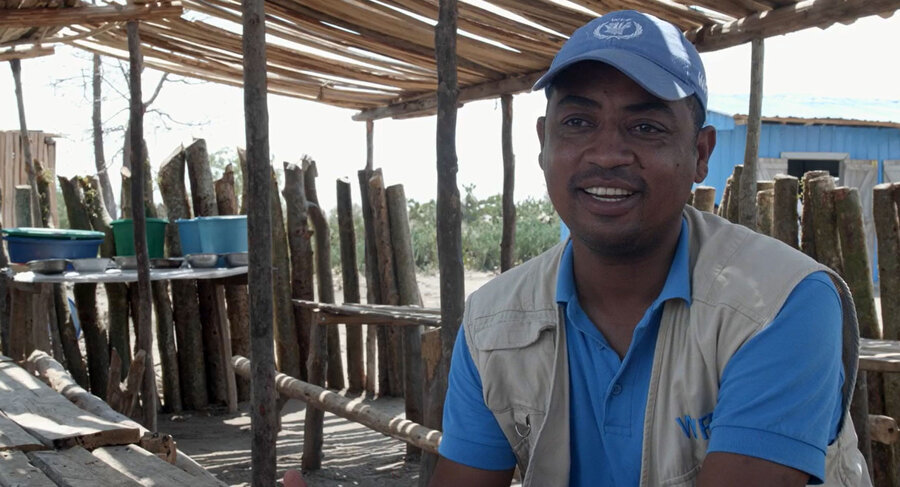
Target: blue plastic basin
(223,234)
(189,235)
(23,249)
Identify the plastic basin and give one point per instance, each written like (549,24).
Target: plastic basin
(189,235)
(123,231)
(222,234)
(24,249)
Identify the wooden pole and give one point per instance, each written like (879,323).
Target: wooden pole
(705,198)
(4,296)
(734,196)
(389,349)
(142,320)
(42,178)
(828,249)
(808,228)
(16,67)
(370,145)
(726,196)
(235,294)
(356,411)
(95,340)
(754,124)
(408,290)
(263,414)
(373,285)
(765,201)
(335,368)
(299,239)
(431,362)
(97,132)
(449,217)
(356,370)
(508,238)
(24,212)
(185,306)
(785,223)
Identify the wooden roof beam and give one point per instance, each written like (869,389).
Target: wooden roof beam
(804,14)
(25,54)
(58,17)
(428,104)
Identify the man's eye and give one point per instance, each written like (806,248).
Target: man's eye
(646,128)
(576,122)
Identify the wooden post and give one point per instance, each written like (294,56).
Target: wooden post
(765,201)
(97,133)
(449,216)
(808,228)
(785,223)
(508,239)
(705,198)
(389,349)
(726,196)
(408,289)
(24,212)
(203,197)
(334,369)
(287,343)
(42,177)
(828,250)
(95,339)
(734,197)
(431,363)
(754,125)
(373,285)
(299,239)
(356,371)
(185,306)
(16,67)
(887,229)
(235,294)
(4,296)
(142,321)
(263,414)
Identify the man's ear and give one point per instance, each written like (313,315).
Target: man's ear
(540,133)
(706,142)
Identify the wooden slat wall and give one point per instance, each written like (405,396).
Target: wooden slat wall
(12,168)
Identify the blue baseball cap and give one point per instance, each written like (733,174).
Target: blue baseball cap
(650,51)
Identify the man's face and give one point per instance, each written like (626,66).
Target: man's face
(619,162)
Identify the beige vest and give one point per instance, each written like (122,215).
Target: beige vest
(515,332)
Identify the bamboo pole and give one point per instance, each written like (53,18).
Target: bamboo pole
(16,67)
(142,321)
(389,349)
(508,238)
(373,285)
(808,232)
(299,239)
(408,290)
(356,411)
(765,201)
(95,340)
(449,218)
(705,198)
(334,369)
(785,223)
(734,197)
(235,294)
(263,414)
(185,306)
(754,125)
(356,371)
(24,212)
(828,249)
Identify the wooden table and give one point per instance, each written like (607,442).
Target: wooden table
(879,355)
(26,310)
(45,440)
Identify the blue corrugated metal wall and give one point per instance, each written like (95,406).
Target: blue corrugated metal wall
(871,143)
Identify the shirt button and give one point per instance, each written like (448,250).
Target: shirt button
(616,389)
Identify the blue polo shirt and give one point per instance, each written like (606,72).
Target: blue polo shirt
(770,405)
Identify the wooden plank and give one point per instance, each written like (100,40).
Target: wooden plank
(146,468)
(76,467)
(57,17)
(34,52)
(15,471)
(879,355)
(51,418)
(13,437)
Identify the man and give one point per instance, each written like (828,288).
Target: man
(659,345)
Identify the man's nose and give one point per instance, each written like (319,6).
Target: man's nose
(609,149)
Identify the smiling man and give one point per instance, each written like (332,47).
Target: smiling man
(659,345)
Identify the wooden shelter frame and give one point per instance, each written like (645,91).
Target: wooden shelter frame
(383,58)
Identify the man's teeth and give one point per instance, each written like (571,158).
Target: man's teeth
(608,193)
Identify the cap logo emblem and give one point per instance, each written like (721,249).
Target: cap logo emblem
(618,29)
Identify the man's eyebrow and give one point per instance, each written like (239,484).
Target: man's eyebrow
(577,100)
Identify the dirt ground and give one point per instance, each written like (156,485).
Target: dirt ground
(353,454)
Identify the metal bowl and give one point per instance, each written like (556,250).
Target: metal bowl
(237,259)
(202,261)
(126,261)
(48,266)
(95,264)
(166,263)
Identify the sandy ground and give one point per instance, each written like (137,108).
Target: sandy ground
(353,454)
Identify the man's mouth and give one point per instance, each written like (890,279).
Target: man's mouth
(603,193)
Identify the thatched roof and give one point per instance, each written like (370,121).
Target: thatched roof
(377,56)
